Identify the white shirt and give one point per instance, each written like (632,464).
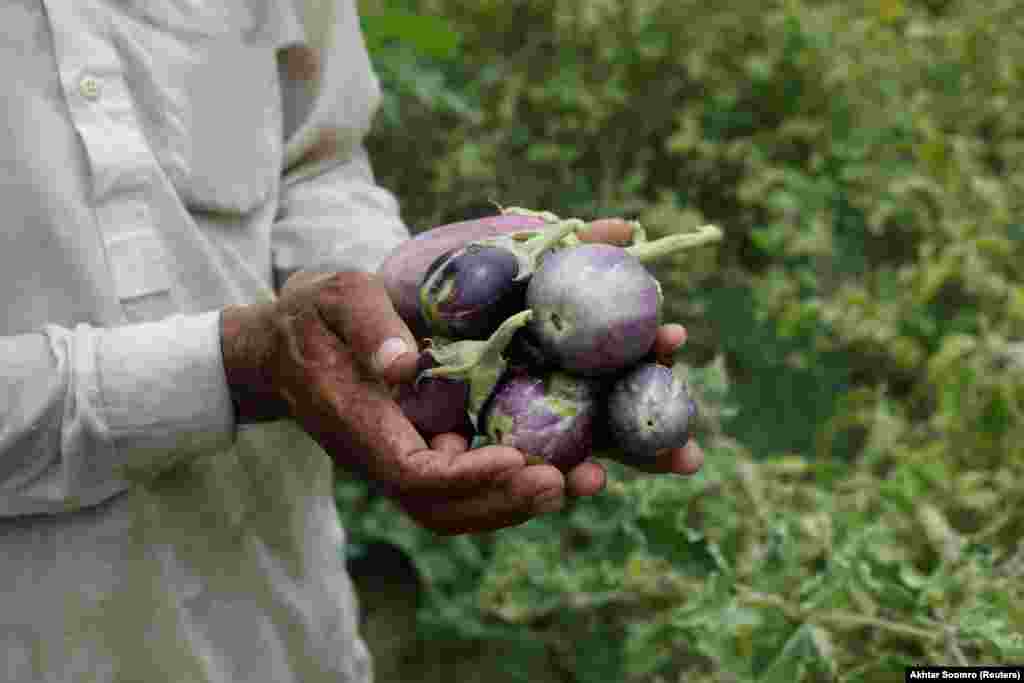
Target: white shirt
(158,160)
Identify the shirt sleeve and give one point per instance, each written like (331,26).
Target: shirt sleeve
(332,214)
(86,412)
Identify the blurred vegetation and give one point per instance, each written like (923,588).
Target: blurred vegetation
(856,338)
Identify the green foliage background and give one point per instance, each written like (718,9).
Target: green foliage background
(855,338)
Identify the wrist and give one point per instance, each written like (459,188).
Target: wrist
(247,339)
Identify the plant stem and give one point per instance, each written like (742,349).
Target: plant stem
(666,246)
(837,618)
(549,238)
(546,216)
(639,234)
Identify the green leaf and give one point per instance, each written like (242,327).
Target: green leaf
(550,152)
(770,238)
(997,417)
(808,650)
(429,35)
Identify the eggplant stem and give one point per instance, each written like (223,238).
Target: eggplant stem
(549,238)
(571,240)
(666,246)
(545,216)
(639,234)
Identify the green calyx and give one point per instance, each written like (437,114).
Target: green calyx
(545,216)
(430,305)
(479,363)
(562,407)
(529,245)
(498,427)
(563,393)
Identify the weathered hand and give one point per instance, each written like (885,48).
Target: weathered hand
(310,356)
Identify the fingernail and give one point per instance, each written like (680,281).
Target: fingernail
(675,329)
(694,459)
(387,353)
(547,503)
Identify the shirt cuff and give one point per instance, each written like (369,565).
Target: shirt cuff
(163,391)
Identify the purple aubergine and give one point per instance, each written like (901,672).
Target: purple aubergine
(402,271)
(467,292)
(434,405)
(549,417)
(649,408)
(596,308)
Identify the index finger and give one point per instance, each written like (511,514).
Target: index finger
(356,306)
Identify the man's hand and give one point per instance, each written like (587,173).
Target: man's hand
(314,355)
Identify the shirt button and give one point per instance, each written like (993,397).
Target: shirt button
(89,87)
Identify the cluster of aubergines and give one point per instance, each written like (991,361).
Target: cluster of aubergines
(538,341)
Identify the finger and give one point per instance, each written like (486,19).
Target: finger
(356,307)
(667,340)
(296,279)
(432,472)
(510,500)
(685,461)
(449,443)
(586,479)
(403,369)
(608,231)
(383,438)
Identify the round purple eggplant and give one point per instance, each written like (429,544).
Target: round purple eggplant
(649,408)
(434,405)
(403,270)
(548,417)
(468,292)
(596,308)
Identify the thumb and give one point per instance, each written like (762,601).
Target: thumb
(356,307)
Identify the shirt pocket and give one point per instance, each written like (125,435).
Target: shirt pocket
(233,132)
(215,104)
